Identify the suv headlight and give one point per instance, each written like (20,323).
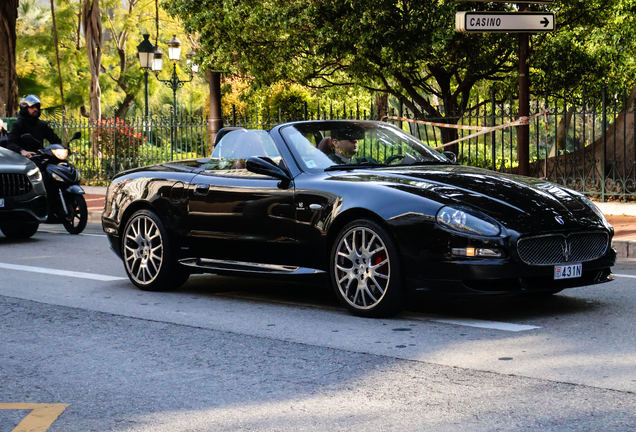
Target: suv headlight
(465,221)
(35,175)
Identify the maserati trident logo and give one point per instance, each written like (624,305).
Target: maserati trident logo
(565,248)
(559,219)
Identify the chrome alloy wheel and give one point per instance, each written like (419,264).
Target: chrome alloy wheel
(362,268)
(143,250)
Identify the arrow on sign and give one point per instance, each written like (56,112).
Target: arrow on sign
(545,22)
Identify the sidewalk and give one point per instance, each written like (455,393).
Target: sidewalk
(622,216)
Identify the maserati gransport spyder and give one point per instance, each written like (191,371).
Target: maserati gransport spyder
(361,206)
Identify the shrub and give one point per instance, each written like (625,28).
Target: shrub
(117,134)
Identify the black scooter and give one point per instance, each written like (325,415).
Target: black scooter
(65,202)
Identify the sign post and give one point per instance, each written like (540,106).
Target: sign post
(523,131)
(522,22)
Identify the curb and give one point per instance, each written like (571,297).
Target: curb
(625,248)
(95,217)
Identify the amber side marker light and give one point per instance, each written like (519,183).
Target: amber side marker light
(477,252)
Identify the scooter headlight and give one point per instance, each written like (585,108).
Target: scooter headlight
(61,154)
(35,175)
(57,177)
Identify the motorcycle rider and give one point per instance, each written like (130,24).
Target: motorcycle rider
(29,123)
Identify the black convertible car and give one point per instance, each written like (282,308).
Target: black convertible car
(395,216)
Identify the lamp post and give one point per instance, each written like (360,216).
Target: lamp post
(174,53)
(146,51)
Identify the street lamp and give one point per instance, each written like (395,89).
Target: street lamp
(193,66)
(174,52)
(146,52)
(157,61)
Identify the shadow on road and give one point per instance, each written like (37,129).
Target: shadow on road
(494,308)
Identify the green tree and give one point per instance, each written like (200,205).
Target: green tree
(8,74)
(408,49)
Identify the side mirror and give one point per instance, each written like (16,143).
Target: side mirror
(29,138)
(451,156)
(263,166)
(76,135)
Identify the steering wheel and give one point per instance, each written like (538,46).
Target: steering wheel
(394,157)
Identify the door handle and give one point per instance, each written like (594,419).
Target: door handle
(201,189)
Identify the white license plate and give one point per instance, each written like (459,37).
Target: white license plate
(1,202)
(568,271)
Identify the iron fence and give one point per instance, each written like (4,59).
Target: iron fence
(111,145)
(586,144)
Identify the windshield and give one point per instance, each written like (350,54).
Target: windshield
(332,145)
(232,151)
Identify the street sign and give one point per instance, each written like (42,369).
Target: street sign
(504,22)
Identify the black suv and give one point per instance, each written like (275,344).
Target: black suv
(22,195)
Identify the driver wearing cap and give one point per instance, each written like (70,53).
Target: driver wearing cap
(344,145)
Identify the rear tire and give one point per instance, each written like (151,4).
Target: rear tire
(75,220)
(20,231)
(365,270)
(147,256)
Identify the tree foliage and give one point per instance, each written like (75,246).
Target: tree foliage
(407,48)
(121,80)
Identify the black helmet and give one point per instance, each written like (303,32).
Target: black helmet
(29,101)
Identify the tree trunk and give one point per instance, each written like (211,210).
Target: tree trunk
(92,18)
(125,105)
(215,122)
(381,105)
(615,167)
(57,53)
(8,74)
(562,128)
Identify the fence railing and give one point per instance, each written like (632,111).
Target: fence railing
(109,146)
(585,145)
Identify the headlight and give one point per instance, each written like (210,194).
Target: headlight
(61,154)
(465,221)
(56,177)
(35,175)
(594,208)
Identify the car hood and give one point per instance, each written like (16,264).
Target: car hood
(11,162)
(517,202)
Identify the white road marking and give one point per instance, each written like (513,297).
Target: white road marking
(494,325)
(627,276)
(56,272)
(64,232)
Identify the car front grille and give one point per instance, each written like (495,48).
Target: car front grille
(560,248)
(14,185)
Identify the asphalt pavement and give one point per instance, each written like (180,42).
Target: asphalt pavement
(230,354)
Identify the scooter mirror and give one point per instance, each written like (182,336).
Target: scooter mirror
(29,139)
(76,135)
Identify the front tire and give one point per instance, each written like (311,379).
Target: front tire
(75,220)
(147,256)
(20,231)
(365,270)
